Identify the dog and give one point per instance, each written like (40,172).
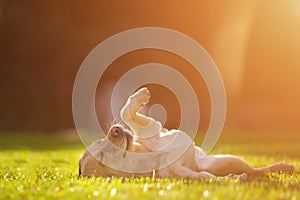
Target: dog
(147,135)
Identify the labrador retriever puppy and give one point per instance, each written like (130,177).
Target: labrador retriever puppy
(151,137)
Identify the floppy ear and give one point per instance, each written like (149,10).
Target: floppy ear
(129,139)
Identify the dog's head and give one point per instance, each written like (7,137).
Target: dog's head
(120,137)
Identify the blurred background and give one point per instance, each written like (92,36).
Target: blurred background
(255,44)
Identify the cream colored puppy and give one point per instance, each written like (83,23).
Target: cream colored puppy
(150,137)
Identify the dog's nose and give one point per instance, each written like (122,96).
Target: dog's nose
(115,132)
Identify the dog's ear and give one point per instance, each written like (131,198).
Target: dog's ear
(129,139)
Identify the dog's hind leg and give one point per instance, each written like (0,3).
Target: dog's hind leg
(181,171)
(222,165)
(278,167)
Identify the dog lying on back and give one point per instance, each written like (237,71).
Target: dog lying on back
(151,137)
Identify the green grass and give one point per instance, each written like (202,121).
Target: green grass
(46,167)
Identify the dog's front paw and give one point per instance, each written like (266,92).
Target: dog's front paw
(141,97)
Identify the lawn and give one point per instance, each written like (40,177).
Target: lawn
(46,167)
